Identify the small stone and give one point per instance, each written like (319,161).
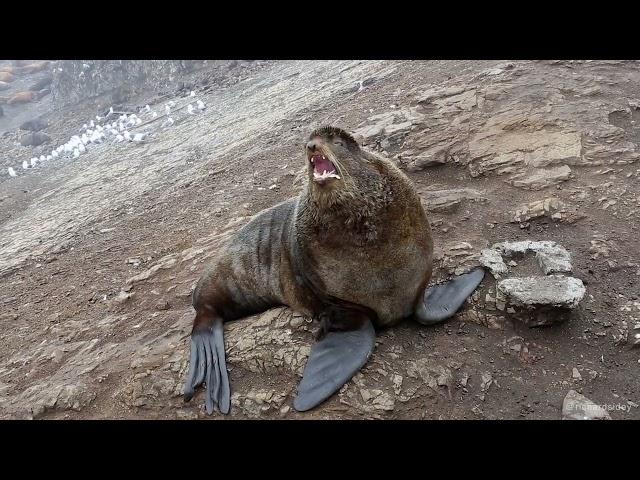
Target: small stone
(163,305)
(366,395)
(122,297)
(487,381)
(296,322)
(397,383)
(579,407)
(576,374)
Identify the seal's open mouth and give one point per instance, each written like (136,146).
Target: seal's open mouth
(323,168)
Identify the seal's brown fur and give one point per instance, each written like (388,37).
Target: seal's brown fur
(343,251)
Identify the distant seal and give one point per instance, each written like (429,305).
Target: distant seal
(27,96)
(353,250)
(7,77)
(33,67)
(34,139)
(42,83)
(22,97)
(34,125)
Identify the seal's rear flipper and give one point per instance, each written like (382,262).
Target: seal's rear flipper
(208,365)
(444,300)
(332,363)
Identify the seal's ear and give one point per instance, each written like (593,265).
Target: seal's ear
(358,138)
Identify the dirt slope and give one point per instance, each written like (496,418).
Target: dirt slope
(482,140)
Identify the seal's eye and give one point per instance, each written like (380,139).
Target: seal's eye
(337,141)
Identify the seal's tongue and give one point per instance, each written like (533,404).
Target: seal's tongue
(323,168)
(322,164)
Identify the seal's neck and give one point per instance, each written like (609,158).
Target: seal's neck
(354,211)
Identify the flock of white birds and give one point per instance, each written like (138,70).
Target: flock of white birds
(109,129)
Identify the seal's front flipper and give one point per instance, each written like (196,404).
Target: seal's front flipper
(444,300)
(332,363)
(208,365)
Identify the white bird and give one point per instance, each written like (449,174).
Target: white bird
(113,132)
(360,88)
(76,153)
(127,136)
(138,121)
(172,104)
(154,114)
(167,109)
(89,132)
(201,105)
(54,154)
(190,109)
(91,124)
(42,158)
(146,109)
(82,148)
(99,128)
(12,172)
(110,112)
(138,137)
(168,122)
(84,139)
(193,94)
(123,117)
(98,118)
(25,164)
(49,157)
(84,127)
(68,148)
(119,138)
(34,162)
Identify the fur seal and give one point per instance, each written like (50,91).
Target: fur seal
(33,67)
(34,125)
(22,97)
(34,139)
(7,77)
(42,83)
(27,96)
(353,250)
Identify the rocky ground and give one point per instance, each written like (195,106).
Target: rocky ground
(98,255)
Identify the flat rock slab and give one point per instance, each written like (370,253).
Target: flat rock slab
(552,257)
(553,290)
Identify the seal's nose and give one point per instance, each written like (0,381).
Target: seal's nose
(312,145)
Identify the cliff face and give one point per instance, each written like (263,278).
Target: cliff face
(78,80)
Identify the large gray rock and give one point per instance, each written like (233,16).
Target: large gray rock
(553,290)
(552,257)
